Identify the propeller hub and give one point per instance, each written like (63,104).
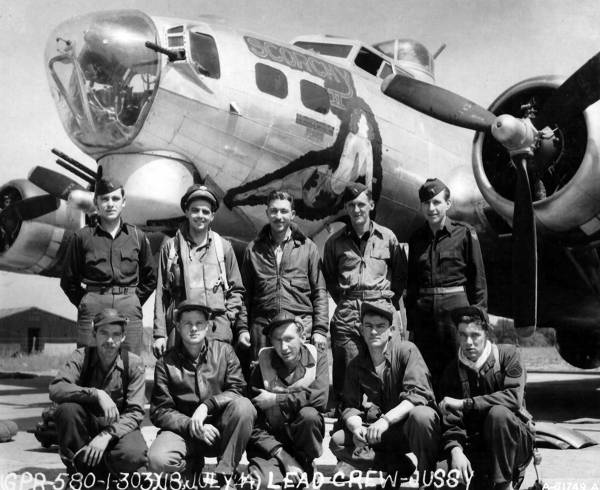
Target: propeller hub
(518,136)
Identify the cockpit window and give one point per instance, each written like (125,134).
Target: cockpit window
(368,61)
(175,37)
(102,76)
(271,80)
(204,55)
(337,50)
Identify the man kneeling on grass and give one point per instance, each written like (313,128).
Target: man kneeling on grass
(387,402)
(197,402)
(100,397)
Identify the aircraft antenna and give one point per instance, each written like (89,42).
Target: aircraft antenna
(439,51)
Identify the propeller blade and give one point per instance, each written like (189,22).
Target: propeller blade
(578,92)
(438,102)
(524,254)
(54,183)
(32,207)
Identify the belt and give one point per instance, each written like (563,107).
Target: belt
(111,289)
(448,290)
(367,295)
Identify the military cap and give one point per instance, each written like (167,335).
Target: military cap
(282,318)
(378,307)
(431,188)
(463,312)
(109,316)
(198,191)
(106,186)
(352,191)
(191,305)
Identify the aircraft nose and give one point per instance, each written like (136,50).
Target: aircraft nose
(103,76)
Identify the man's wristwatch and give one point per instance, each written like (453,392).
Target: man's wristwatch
(386,418)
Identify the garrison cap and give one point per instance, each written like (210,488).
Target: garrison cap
(431,188)
(106,186)
(379,307)
(109,316)
(352,191)
(191,305)
(469,312)
(282,318)
(199,191)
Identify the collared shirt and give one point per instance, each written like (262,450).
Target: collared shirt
(67,387)
(380,266)
(314,395)
(450,258)
(181,384)
(95,258)
(404,377)
(278,247)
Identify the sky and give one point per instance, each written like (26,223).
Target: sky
(491,44)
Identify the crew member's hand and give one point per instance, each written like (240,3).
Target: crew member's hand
(208,433)
(319,341)
(92,453)
(159,346)
(197,421)
(449,404)
(108,406)
(244,340)
(458,461)
(359,436)
(265,399)
(376,430)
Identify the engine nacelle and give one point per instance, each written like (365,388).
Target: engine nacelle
(37,246)
(571,208)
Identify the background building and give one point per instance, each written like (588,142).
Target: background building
(31,329)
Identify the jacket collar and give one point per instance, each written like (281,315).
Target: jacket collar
(185,356)
(95,361)
(445,230)
(374,229)
(122,228)
(264,235)
(184,232)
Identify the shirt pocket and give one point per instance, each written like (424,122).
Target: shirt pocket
(378,259)
(129,262)
(451,263)
(95,257)
(300,283)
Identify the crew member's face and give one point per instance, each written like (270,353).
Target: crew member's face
(472,339)
(287,340)
(200,215)
(436,208)
(375,329)
(193,326)
(108,340)
(110,205)
(280,214)
(358,210)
